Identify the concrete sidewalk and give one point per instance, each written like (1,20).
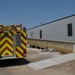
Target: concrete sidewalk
(52,61)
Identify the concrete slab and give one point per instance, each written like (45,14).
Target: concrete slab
(52,61)
(42,64)
(64,58)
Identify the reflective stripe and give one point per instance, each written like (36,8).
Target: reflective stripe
(19,53)
(20,50)
(5,52)
(23,39)
(22,32)
(6,44)
(4,39)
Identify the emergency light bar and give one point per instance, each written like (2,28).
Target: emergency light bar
(17,28)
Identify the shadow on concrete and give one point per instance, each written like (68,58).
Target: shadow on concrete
(13,62)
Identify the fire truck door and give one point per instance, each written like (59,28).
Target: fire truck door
(6,46)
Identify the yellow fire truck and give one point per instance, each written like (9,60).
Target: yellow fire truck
(12,42)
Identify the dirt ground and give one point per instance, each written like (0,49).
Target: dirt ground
(34,54)
(62,69)
(21,68)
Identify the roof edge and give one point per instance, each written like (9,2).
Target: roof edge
(51,21)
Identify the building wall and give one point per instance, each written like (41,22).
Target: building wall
(56,31)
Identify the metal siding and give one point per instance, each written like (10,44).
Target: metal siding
(56,31)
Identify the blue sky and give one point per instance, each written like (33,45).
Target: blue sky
(32,12)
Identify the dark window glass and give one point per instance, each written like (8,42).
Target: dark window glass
(31,34)
(40,33)
(70,29)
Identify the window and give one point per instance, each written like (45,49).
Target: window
(69,29)
(40,33)
(31,34)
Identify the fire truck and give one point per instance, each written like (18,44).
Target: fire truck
(12,42)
